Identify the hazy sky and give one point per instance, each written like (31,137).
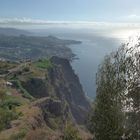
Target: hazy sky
(77,10)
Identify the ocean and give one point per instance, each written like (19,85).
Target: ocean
(95,45)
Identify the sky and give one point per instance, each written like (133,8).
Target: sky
(72,10)
(117,17)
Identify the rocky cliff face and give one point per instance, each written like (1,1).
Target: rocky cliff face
(44,96)
(70,90)
(62,84)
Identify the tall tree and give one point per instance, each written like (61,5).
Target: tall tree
(108,119)
(133,89)
(116,113)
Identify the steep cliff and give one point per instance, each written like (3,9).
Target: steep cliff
(61,83)
(45,95)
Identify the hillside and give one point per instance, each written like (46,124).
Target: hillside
(24,46)
(13,32)
(41,97)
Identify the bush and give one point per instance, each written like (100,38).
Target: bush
(71,133)
(5,117)
(10,103)
(43,64)
(26,69)
(2,94)
(20,135)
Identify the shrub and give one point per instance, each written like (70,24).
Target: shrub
(2,94)
(5,117)
(71,133)
(43,63)
(26,69)
(10,103)
(20,135)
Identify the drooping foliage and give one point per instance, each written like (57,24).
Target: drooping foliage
(116,111)
(108,119)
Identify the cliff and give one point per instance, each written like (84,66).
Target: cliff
(48,95)
(61,83)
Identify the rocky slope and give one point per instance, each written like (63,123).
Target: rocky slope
(50,96)
(63,84)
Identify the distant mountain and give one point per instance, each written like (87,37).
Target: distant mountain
(21,47)
(13,32)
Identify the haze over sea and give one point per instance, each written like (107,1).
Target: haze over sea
(101,26)
(98,39)
(96,43)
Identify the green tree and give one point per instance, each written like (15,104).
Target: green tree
(133,90)
(107,119)
(116,111)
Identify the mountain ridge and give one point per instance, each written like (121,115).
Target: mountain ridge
(13,31)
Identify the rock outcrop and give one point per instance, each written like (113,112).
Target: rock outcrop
(63,84)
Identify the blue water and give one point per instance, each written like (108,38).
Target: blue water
(90,53)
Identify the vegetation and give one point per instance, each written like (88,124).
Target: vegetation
(43,63)
(6,116)
(71,133)
(4,66)
(116,111)
(32,47)
(2,95)
(11,103)
(23,116)
(25,93)
(108,120)
(7,113)
(20,135)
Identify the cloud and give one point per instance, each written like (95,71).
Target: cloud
(22,21)
(131,18)
(40,22)
(111,29)
(78,24)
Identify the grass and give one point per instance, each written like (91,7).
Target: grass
(6,116)
(43,63)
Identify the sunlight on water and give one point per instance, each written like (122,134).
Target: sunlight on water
(124,34)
